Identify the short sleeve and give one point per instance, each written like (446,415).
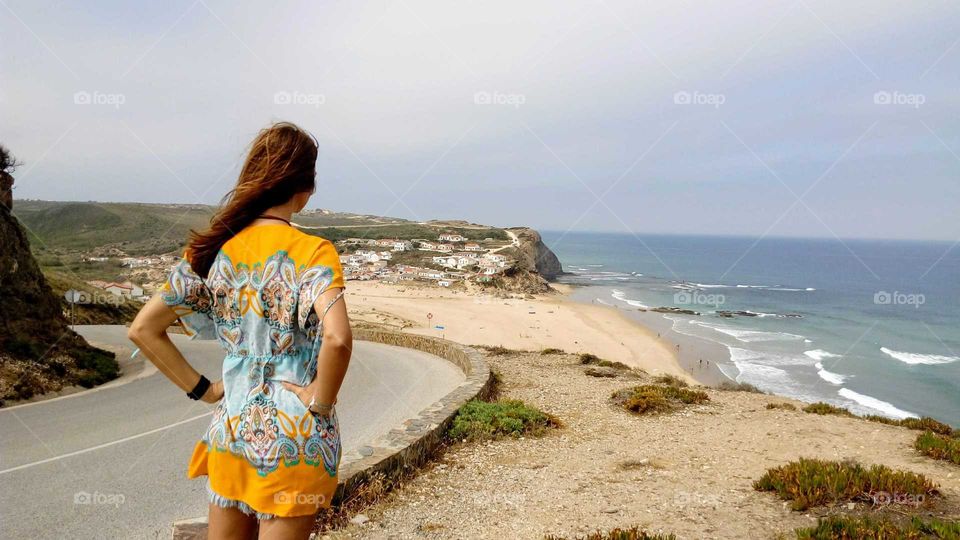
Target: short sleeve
(185,292)
(321,272)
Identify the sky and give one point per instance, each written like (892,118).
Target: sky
(778,118)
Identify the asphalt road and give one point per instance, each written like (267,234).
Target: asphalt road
(111,463)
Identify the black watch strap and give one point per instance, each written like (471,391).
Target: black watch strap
(200,389)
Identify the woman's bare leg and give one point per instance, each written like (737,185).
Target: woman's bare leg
(230,524)
(287,528)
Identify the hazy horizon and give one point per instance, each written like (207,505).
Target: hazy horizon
(640,233)
(801,119)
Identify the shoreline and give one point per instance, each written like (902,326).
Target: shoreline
(530,323)
(691,349)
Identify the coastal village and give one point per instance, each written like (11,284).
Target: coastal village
(446,261)
(450,259)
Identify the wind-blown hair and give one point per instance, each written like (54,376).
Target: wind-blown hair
(281,163)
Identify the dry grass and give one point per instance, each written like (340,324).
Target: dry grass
(781,406)
(822,408)
(653,399)
(730,386)
(815,482)
(670,380)
(371,491)
(594,360)
(633,533)
(866,527)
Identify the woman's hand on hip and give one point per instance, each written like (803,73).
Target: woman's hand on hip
(214,393)
(303,393)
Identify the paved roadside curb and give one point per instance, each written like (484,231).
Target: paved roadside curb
(406,447)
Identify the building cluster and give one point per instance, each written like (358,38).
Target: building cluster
(127,289)
(458,259)
(143,262)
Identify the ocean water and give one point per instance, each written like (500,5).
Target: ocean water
(871,325)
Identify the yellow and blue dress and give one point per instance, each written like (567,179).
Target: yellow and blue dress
(264,452)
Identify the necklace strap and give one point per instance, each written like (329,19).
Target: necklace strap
(264,216)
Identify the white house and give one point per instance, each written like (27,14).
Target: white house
(451,237)
(126,289)
(472,247)
(500,260)
(444,248)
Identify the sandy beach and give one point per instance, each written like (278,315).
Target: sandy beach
(529,323)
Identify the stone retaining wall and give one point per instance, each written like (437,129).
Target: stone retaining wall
(406,447)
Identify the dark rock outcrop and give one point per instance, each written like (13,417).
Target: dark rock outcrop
(534,255)
(38,351)
(6,190)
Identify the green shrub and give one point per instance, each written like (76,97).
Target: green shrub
(98,367)
(633,533)
(730,386)
(481,420)
(822,408)
(926,424)
(815,482)
(865,527)
(25,348)
(654,399)
(938,446)
(594,360)
(499,351)
(670,380)
(781,406)
(551,350)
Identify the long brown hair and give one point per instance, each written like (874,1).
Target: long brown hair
(281,163)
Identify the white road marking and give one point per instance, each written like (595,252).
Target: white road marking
(105,445)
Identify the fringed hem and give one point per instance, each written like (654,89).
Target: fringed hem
(224,502)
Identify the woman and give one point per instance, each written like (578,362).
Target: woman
(273,297)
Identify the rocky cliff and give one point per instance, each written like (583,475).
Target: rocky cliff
(532,254)
(535,263)
(39,353)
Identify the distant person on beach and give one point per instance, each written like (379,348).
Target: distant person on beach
(273,297)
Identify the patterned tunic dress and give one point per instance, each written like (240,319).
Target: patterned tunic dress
(263,452)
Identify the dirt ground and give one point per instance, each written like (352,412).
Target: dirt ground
(688,472)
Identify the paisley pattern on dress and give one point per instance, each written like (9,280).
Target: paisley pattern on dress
(261,311)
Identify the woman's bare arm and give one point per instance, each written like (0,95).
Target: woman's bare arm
(334,355)
(149,332)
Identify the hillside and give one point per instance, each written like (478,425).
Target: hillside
(78,243)
(143,229)
(38,351)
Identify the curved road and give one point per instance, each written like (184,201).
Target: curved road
(111,463)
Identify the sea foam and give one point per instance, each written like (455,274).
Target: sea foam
(748,336)
(885,408)
(916,358)
(622,296)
